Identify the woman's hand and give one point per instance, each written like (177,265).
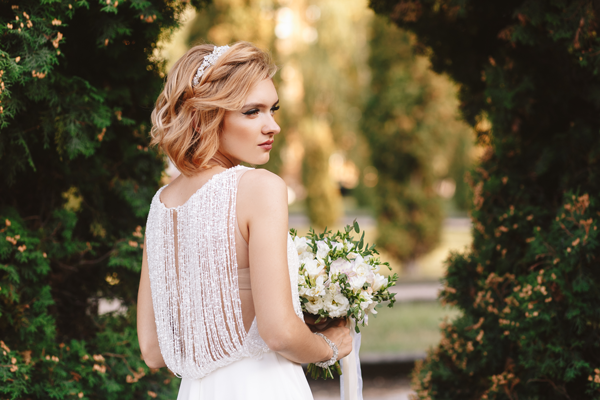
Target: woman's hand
(340,335)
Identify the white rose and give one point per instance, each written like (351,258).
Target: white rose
(334,288)
(352,255)
(365,300)
(307,255)
(364,271)
(318,289)
(356,282)
(314,305)
(302,290)
(337,305)
(379,281)
(340,266)
(301,244)
(312,268)
(322,249)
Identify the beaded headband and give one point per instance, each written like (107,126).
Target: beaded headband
(209,61)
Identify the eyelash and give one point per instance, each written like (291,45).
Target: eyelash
(255,111)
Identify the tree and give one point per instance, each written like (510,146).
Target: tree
(529,288)
(77,179)
(321,48)
(411,123)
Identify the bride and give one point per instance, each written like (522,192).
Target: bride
(218,300)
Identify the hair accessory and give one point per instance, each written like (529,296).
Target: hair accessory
(209,61)
(333,359)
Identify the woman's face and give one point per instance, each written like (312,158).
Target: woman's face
(248,133)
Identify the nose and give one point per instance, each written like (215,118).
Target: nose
(271,127)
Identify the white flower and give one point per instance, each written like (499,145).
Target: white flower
(302,290)
(313,268)
(301,244)
(352,255)
(363,270)
(314,305)
(318,289)
(337,246)
(340,266)
(334,288)
(322,249)
(356,282)
(365,300)
(304,257)
(337,305)
(379,281)
(371,309)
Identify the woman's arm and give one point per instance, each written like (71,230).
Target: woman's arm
(262,208)
(146,326)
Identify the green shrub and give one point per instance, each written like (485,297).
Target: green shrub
(77,178)
(411,124)
(529,288)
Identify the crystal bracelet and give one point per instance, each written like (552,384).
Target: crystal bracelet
(333,359)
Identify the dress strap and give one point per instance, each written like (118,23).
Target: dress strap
(243,273)
(238,174)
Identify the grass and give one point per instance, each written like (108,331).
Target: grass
(405,328)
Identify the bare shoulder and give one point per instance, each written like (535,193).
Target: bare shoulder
(262,188)
(261,181)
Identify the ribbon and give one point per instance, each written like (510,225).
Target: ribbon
(351,379)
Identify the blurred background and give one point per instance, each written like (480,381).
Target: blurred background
(370,133)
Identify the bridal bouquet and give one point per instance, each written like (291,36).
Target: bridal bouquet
(338,278)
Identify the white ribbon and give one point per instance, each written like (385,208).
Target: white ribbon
(351,379)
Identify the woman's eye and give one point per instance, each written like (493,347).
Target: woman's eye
(274,109)
(253,111)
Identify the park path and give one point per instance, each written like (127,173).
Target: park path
(374,389)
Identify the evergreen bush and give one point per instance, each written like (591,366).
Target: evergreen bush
(529,288)
(413,128)
(78,83)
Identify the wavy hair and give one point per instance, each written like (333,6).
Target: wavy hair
(187,120)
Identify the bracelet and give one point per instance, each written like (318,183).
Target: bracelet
(333,359)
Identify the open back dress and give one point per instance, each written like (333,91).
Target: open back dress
(201,294)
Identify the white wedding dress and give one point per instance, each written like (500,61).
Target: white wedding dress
(200,282)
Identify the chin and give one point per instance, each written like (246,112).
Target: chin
(261,160)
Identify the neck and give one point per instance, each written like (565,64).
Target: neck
(222,160)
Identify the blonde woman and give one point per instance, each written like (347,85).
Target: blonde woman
(218,302)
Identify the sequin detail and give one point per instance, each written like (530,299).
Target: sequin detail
(193,278)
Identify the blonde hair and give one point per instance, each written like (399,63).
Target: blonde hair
(187,120)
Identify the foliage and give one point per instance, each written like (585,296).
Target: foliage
(323,80)
(411,124)
(321,50)
(529,288)
(224,22)
(77,88)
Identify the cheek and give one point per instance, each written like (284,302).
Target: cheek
(238,136)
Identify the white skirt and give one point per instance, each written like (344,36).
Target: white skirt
(272,377)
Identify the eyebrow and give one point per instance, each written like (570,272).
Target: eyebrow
(258,105)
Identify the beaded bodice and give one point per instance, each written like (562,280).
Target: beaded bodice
(193,277)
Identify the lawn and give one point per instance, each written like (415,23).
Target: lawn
(405,328)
